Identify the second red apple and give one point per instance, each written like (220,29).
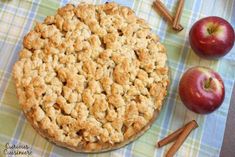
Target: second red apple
(201,90)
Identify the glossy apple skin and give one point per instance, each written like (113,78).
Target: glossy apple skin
(216,44)
(193,93)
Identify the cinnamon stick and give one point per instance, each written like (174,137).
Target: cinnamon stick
(160,7)
(178,14)
(182,137)
(173,136)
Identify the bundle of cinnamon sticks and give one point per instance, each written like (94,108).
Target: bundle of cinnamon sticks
(175,21)
(179,136)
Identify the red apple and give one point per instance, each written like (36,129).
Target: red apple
(211,37)
(201,90)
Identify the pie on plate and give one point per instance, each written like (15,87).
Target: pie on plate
(91,78)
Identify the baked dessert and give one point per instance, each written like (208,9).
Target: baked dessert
(92,77)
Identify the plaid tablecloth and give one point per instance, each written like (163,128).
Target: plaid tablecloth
(18,17)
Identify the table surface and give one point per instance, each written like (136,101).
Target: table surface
(228,146)
(17,18)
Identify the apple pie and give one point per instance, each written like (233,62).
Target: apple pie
(92,77)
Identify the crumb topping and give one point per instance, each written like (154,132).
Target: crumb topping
(91,75)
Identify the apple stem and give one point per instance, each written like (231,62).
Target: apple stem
(208,83)
(210,30)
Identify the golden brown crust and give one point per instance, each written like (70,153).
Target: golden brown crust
(91,77)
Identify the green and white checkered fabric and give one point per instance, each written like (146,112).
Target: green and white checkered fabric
(17,17)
